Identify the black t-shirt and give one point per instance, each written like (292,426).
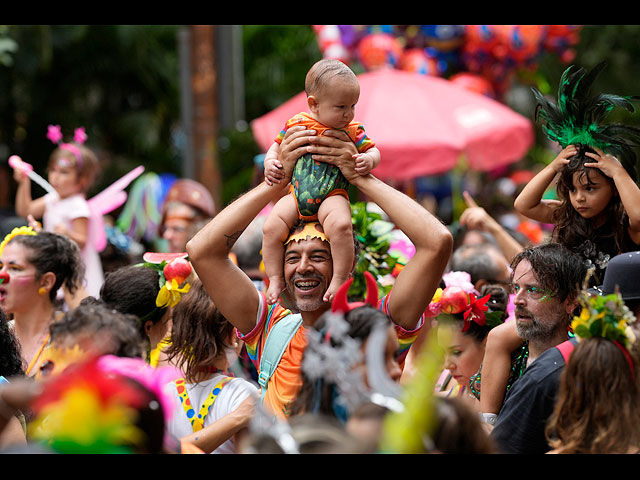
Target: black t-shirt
(528,405)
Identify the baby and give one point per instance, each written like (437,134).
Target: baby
(318,190)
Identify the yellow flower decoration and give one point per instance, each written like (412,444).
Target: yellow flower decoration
(170,293)
(437,295)
(604,316)
(14,233)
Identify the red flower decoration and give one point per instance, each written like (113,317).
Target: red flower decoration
(475,311)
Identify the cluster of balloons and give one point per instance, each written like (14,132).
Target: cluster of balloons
(483,58)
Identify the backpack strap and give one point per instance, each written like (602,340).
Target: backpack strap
(274,346)
(565,349)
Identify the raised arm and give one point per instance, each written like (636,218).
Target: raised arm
(626,186)
(476,218)
(25,205)
(417,282)
(530,202)
(228,286)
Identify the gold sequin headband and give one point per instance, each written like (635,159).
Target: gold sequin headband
(311,230)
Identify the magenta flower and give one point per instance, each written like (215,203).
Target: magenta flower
(54,134)
(79,135)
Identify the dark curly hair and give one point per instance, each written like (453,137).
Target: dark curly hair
(557,268)
(50,252)
(95,318)
(10,355)
(571,229)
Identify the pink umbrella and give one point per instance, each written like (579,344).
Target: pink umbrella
(422,125)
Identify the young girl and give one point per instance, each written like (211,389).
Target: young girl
(212,408)
(72,171)
(597,214)
(598,211)
(318,190)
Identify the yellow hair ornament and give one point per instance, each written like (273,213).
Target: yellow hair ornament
(170,294)
(14,233)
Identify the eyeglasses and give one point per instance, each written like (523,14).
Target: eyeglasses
(533,292)
(174,229)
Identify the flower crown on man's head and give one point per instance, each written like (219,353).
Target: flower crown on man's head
(460,297)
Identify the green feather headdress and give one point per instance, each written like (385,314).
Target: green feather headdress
(578,117)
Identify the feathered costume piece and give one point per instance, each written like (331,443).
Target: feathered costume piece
(578,116)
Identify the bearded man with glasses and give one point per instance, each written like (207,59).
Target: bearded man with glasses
(546,280)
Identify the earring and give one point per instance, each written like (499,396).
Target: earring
(42,291)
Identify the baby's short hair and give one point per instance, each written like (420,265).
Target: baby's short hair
(324,70)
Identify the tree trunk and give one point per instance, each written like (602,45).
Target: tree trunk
(204,87)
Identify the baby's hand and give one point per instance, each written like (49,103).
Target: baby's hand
(562,159)
(364,163)
(273,171)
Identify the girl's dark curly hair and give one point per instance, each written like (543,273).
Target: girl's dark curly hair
(50,252)
(571,229)
(116,330)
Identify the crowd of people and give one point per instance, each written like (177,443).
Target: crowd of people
(484,344)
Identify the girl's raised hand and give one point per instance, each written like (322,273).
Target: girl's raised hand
(562,159)
(605,162)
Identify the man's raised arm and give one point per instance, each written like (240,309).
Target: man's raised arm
(414,287)
(228,286)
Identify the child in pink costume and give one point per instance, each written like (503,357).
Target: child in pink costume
(318,190)
(72,170)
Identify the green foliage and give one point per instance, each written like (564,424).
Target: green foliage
(118,81)
(374,234)
(276,61)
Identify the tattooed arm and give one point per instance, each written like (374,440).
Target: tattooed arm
(228,286)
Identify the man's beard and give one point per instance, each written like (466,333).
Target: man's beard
(535,329)
(302,303)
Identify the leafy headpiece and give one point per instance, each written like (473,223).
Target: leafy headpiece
(578,117)
(605,316)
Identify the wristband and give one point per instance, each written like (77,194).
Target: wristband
(489,418)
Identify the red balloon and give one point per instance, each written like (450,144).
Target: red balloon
(560,38)
(480,36)
(416,60)
(379,50)
(521,43)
